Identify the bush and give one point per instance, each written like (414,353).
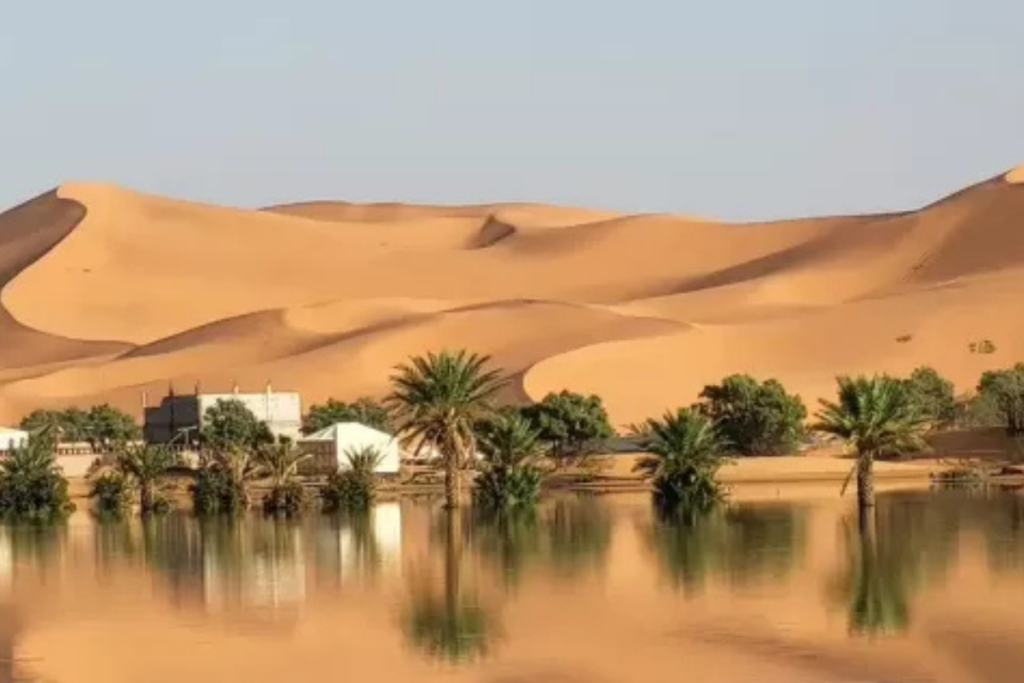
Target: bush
(365,411)
(933,395)
(287,498)
(508,477)
(755,418)
(230,424)
(102,426)
(686,451)
(353,488)
(572,425)
(112,492)
(32,487)
(1004,390)
(215,491)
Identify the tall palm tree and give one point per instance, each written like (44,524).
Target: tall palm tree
(875,416)
(685,451)
(146,465)
(437,400)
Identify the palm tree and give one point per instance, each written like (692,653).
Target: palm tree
(279,462)
(875,416)
(510,477)
(31,484)
(436,400)
(685,452)
(146,465)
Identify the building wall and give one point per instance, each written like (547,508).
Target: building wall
(11,439)
(281,411)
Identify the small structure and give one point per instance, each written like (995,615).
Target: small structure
(11,439)
(179,418)
(329,446)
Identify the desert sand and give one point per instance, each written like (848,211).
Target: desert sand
(107,293)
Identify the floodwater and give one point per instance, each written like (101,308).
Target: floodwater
(590,589)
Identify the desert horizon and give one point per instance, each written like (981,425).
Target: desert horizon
(108,293)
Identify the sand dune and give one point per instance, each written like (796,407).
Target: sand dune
(107,293)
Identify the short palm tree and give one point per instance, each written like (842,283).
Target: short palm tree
(280,462)
(685,451)
(510,477)
(31,484)
(437,399)
(875,416)
(353,488)
(146,465)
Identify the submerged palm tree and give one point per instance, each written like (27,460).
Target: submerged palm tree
(279,463)
(685,452)
(436,400)
(31,483)
(146,465)
(510,477)
(875,416)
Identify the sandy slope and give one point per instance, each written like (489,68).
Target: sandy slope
(108,292)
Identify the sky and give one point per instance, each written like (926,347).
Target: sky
(741,110)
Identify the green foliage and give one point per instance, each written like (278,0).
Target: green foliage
(144,467)
(437,400)
(509,477)
(112,492)
(288,498)
(230,424)
(353,488)
(222,483)
(1004,389)
(32,486)
(365,411)
(875,415)
(755,418)
(932,395)
(279,463)
(456,629)
(685,452)
(102,426)
(572,425)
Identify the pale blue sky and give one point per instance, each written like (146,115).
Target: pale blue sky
(734,108)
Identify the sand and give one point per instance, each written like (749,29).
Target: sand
(107,293)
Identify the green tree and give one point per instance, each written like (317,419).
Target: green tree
(365,411)
(683,454)
(1005,389)
(109,428)
(279,464)
(223,481)
(755,418)
(437,400)
(66,426)
(933,395)
(875,416)
(509,475)
(572,425)
(353,488)
(32,486)
(230,424)
(146,466)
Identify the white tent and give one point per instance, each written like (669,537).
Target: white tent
(330,445)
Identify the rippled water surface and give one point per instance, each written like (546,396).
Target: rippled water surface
(594,589)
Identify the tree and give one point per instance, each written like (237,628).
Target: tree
(685,451)
(572,425)
(230,424)
(933,395)
(108,428)
(875,416)
(280,464)
(1005,389)
(353,488)
(222,483)
(364,411)
(68,426)
(146,465)
(756,418)
(32,485)
(436,401)
(510,477)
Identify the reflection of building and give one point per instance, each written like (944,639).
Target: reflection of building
(179,415)
(329,447)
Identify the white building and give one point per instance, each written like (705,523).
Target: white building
(184,414)
(11,439)
(329,448)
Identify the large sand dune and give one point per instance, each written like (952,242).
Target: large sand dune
(107,293)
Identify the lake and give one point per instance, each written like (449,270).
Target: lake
(778,586)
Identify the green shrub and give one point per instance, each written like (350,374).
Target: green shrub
(215,491)
(573,426)
(932,395)
(508,477)
(112,492)
(754,418)
(31,484)
(287,498)
(353,488)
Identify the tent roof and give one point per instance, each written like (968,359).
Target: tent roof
(338,428)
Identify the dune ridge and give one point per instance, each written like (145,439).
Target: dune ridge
(108,293)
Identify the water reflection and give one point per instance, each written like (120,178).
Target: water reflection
(741,543)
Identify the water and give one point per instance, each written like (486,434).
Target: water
(594,589)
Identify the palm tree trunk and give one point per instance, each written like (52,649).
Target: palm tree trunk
(866,480)
(452,488)
(146,496)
